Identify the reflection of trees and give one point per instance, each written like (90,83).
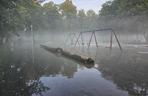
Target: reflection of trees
(68,70)
(54,66)
(20,77)
(58,65)
(13,81)
(129,73)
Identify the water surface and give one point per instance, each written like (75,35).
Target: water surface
(27,72)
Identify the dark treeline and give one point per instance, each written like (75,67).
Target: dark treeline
(25,15)
(18,16)
(126,16)
(124,8)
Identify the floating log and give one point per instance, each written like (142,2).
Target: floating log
(69,55)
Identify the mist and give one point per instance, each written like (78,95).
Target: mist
(49,49)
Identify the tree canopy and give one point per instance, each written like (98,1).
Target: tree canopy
(81,13)
(124,8)
(90,13)
(19,15)
(68,9)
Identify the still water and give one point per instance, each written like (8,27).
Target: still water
(27,72)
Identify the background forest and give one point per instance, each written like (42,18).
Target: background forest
(18,16)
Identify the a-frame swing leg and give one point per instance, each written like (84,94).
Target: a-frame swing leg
(90,39)
(82,39)
(117,41)
(96,40)
(111,40)
(77,40)
(71,38)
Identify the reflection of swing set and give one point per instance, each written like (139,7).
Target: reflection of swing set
(93,34)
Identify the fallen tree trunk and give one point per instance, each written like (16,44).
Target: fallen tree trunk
(74,57)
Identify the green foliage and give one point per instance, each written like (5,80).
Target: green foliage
(8,17)
(91,13)
(68,9)
(16,14)
(52,14)
(81,13)
(124,8)
(22,15)
(108,8)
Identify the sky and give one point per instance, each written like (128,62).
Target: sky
(84,4)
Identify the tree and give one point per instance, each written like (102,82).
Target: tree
(8,20)
(68,9)
(107,9)
(51,14)
(19,14)
(81,13)
(124,7)
(91,13)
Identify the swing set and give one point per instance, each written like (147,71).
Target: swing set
(93,34)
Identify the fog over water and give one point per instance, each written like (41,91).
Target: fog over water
(59,50)
(61,76)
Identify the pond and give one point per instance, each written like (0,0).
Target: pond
(27,72)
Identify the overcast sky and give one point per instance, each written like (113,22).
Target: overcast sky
(84,4)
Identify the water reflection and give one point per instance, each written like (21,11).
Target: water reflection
(14,79)
(19,76)
(57,76)
(129,72)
